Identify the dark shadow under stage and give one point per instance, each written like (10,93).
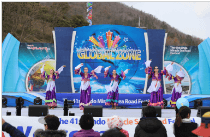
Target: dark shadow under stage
(107,112)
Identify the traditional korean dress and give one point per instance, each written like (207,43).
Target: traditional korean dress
(156,90)
(112,89)
(50,98)
(177,89)
(85,89)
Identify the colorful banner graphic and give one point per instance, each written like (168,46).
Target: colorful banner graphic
(31,58)
(186,58)
(121,47)
(71,124)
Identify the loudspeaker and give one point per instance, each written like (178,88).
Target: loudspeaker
(95,111)
(157,108)
(37,110)
(202,110)
(8,113)
(71,114)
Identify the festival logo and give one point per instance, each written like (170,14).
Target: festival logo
(113,47)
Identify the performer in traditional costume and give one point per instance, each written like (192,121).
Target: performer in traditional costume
(50,98)
(112,89)
(156,90)
(85,89)
(177,89)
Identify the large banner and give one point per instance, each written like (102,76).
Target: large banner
(31,58)
(186,58)
(121,47)
(71,124)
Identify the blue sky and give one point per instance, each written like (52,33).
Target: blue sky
(191,18)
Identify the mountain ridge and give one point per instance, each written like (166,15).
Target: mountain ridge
(44,16)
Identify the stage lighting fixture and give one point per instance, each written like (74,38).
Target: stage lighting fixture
(65,107)
(37,101)
(165,103)
(144,103)
(21,101)
(19,104)
(4,102)
(70,103)
(198,103)
(67,104)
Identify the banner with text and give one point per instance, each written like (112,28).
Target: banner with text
(121,47)
(71,124)
(186,58)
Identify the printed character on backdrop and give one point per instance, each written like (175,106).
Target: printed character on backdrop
(112,89)
(177,89)
(50,98)
(30,85)
(85,89)
(156,90)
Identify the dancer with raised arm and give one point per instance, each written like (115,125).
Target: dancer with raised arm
(50,98)
(85,89)
(177,89)
(112,89)
(156,90)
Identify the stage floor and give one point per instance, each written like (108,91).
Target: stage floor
(107,112)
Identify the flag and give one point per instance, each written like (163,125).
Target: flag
(90,8)
(89,4)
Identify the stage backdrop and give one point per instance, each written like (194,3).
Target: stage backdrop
(121,47)
(23,61)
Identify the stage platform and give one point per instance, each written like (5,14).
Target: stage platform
(107,112)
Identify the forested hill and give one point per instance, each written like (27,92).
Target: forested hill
(34,22)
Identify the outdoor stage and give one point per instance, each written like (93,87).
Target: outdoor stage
(122,48)
(107,112)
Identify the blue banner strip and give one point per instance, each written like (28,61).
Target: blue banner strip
(63,37)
